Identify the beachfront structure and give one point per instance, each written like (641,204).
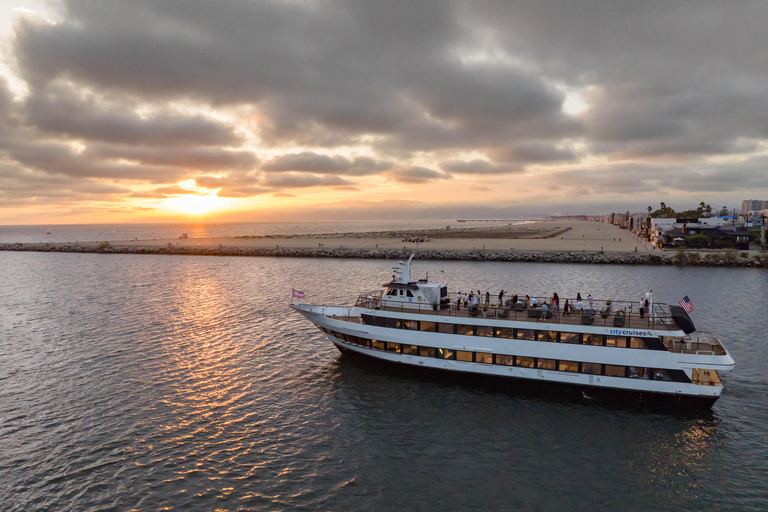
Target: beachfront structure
(662,226)
(608,351)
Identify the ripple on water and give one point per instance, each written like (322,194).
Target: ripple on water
(142,382)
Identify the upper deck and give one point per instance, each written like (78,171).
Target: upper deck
(603,313)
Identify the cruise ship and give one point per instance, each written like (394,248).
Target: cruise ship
(604,352)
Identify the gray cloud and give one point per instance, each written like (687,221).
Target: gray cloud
(417,174)
(315,163)
(189,158)
(478,167)
(301,180)
(60,110)
(667,86)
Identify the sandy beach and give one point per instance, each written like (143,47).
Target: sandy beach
(543,236)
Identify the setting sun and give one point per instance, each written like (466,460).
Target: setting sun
(193,204)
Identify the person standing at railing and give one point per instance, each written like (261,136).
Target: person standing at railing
(501,298)
(458,301)
(487,299)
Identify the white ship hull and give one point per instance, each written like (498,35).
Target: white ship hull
(343,328)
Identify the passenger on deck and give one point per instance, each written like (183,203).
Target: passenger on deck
(534,302)
(591,301)
(458,301)
(566,309)
(579,306)
(555,311)
(487,299)
(544,310)
(527,302)
(501,298)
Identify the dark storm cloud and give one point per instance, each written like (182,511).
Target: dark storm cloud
(417,174)
(308,161)
(477,167)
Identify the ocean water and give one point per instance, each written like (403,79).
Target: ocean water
(132,382)
(118,232)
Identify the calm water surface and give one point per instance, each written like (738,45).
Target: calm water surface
(143,382)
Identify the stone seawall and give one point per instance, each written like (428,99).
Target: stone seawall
(719,259)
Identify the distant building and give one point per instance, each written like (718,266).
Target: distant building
(753,205)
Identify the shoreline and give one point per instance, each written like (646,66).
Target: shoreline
(714,259)
(552,241)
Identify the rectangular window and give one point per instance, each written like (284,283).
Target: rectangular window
(484,330)
(444,353)
(447,328)
(548,336)
(393,347)
(379,345)
(412,325)
(570,337)
(410,349)
(615,371)
(505,332)
(426,351)
(462,355)
(545,364)
(526,334)
(427,326)
(483,357)
(637,372)
(469,330)
(568,366)
(593,339)
(379,321)
(364,342)
(526,362)
(615,341)
(393,323)
(506,360)
(591,368)
(637,343)
(353,339)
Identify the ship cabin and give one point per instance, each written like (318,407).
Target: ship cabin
(403,292)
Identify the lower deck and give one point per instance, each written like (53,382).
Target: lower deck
(697,343)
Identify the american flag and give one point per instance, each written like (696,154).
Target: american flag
(686,304)
(300,295)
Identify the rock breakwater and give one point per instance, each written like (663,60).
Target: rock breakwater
(715,259)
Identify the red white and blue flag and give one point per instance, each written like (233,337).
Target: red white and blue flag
(300,295)
(686,304)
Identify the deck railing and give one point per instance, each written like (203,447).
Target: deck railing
(620,314)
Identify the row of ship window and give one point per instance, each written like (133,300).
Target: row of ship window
(513,333)
(511,360)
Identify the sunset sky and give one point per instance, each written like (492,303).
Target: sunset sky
(131,111)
